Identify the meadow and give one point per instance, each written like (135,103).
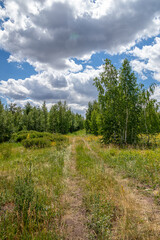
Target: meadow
(78,188)
(30,186)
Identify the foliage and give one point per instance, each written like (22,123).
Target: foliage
(124,109)
(60,119)
(18,137)
(36,142)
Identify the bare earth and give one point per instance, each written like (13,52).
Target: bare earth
(74,220)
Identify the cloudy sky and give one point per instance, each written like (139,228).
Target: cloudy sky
(52,49)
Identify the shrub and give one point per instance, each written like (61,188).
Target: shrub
(39,139)
(59,138)
(18,137)
(36,143)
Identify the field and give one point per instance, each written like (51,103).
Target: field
(79,190)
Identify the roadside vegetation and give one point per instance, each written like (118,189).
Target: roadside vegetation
(31,184)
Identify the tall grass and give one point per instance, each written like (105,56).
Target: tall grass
(111,212)
(142,165)
(31,185)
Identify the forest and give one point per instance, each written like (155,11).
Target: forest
(60,119)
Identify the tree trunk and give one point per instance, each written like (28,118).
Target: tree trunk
(146,126)
(126,127)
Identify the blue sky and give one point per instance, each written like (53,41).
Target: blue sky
(52,49)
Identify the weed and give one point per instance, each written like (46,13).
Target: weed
(101,215)
(30,203)
(24,195)
(6,151)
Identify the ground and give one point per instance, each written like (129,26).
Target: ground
(83,190)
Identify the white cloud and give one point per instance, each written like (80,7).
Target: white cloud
(156,94)
(147,59)
(49,34)
(76,88)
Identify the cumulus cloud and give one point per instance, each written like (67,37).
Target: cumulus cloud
(147,59)
(49,34)
(53,31)
(76,88)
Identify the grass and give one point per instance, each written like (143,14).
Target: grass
(32,188)
(100,210)
(138,164)
(111,212)
(31,184)
(78,133)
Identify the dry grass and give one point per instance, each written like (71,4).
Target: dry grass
(137,217)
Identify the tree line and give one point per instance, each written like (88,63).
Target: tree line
(124,109)
(60,119)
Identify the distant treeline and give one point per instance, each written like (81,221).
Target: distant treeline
(124,109)
(60,119)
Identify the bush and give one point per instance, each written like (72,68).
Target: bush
(59,138)
(36,143)
(18,137)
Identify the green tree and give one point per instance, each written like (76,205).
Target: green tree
(108,87)
(44,117)
(125,109)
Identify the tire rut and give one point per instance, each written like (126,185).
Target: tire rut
(74,224)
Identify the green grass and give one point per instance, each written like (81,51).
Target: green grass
(101,211)
(31,184)
(110,211)
(143,165)
(78,133)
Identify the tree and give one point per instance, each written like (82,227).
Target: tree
(149,121)
(125,109)
(2,123)
(108,88)
(44,117)
(129,103)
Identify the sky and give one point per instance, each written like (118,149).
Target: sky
(51,50)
